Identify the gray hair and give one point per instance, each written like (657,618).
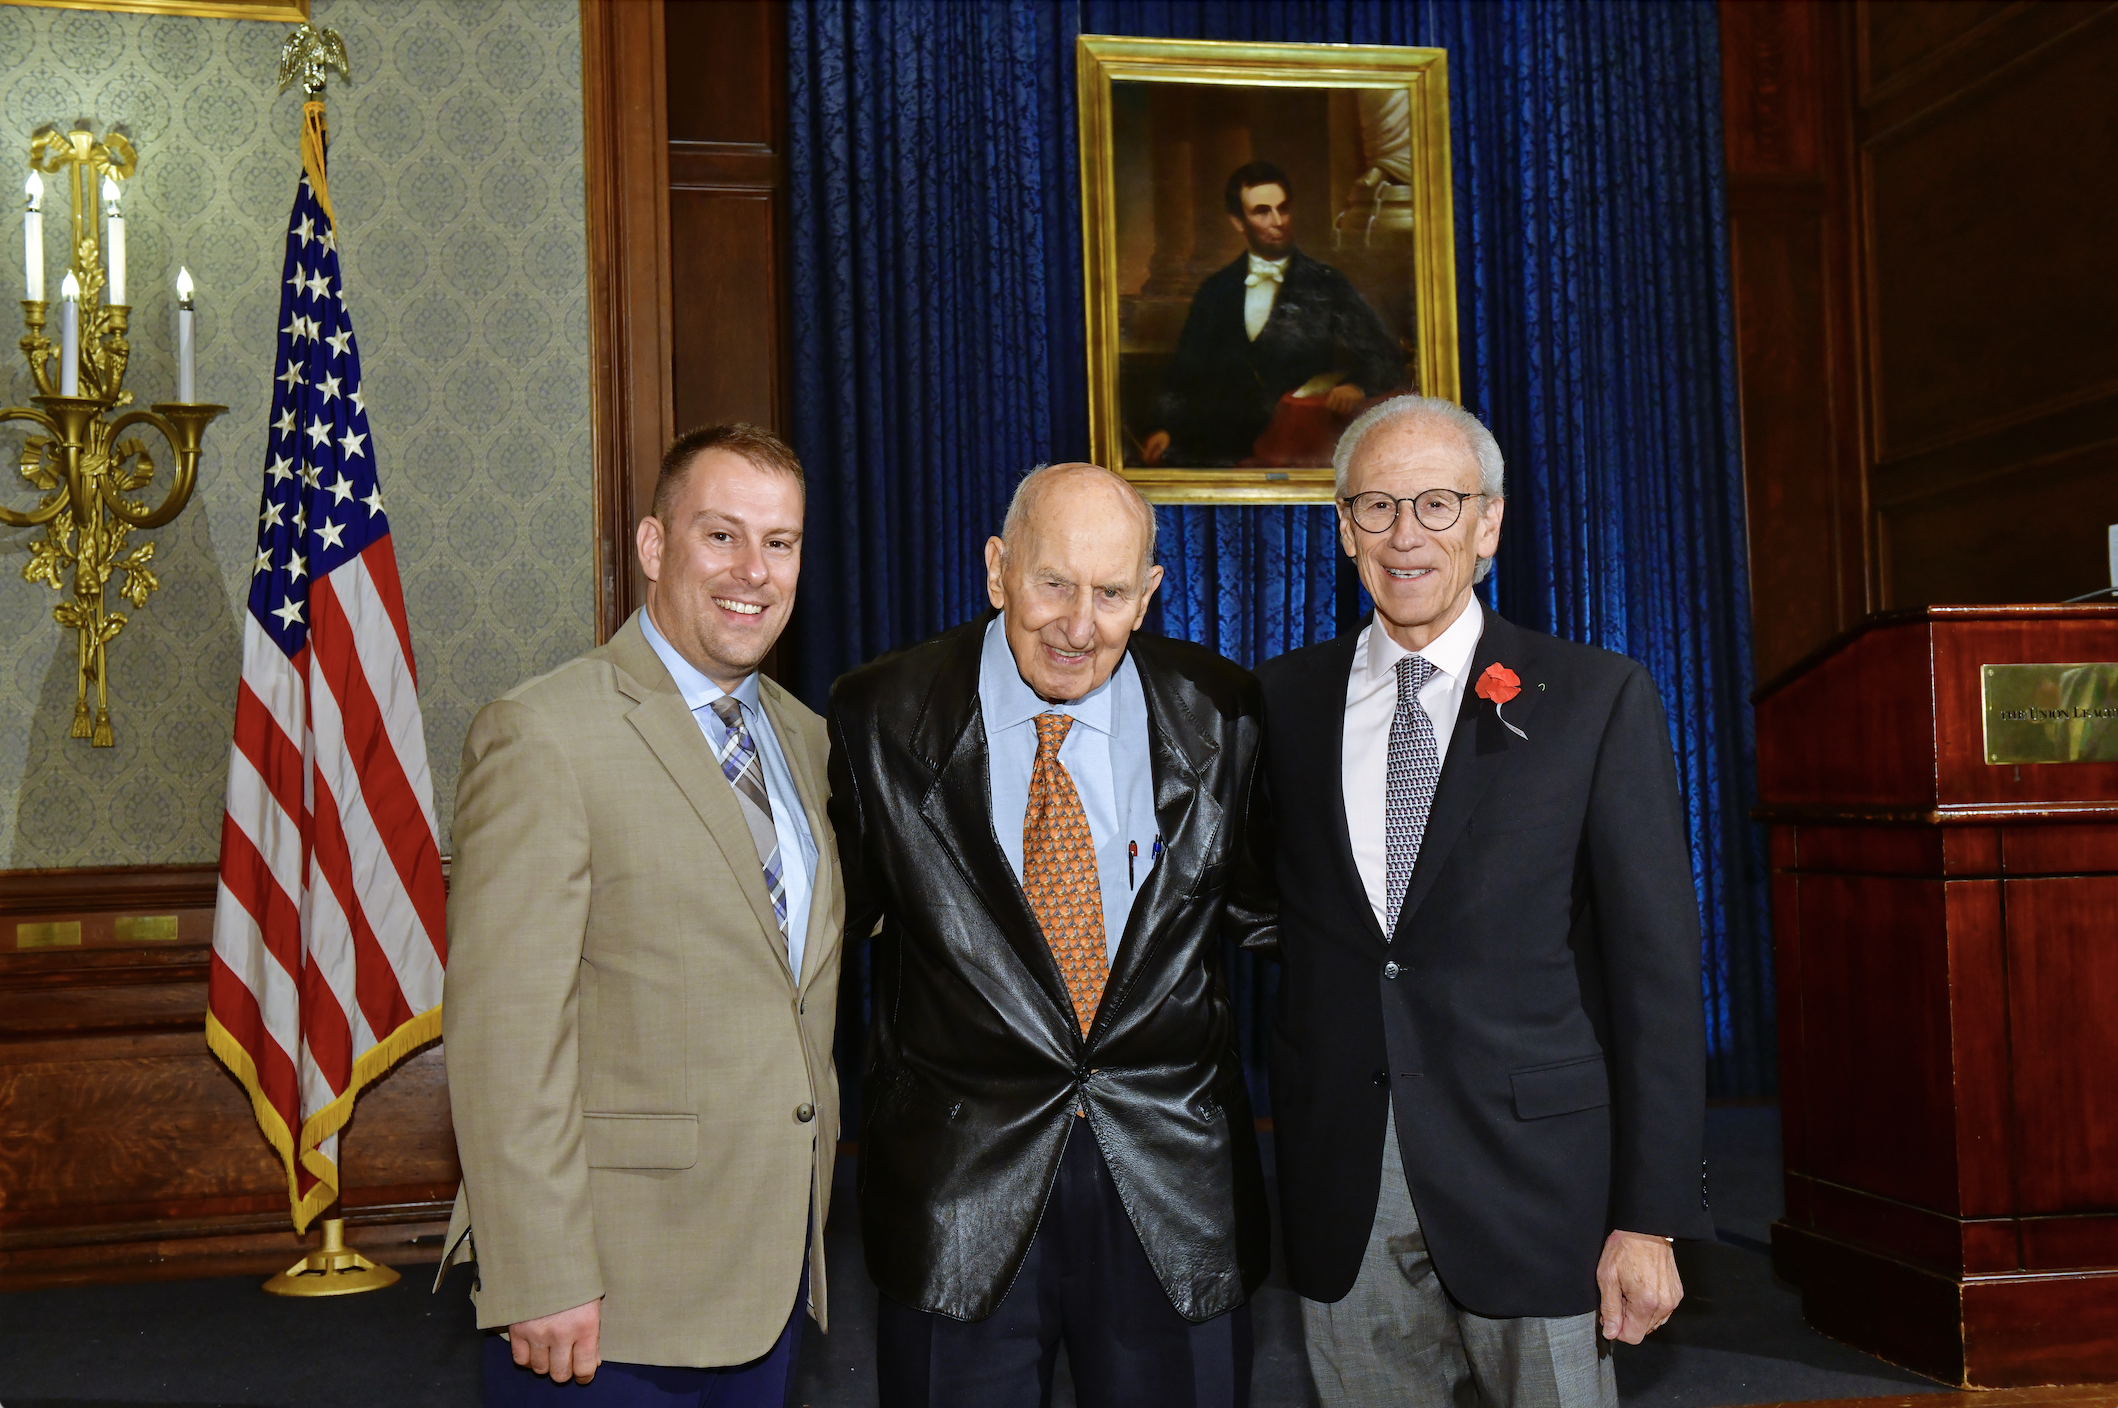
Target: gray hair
(1039,479)
(1492,469)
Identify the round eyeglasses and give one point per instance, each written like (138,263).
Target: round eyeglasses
(1436,509)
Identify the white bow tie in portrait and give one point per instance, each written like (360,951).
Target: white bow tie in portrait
(1260,291)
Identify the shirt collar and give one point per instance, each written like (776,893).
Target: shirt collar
(698,691)
(1450,652)
(1008,701)
(1258,265)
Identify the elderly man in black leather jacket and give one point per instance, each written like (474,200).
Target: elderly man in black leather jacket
(1057,1145)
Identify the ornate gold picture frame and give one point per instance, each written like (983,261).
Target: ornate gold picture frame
(1267,229)
(290,11)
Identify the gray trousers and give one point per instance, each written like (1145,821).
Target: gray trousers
(1397,1338)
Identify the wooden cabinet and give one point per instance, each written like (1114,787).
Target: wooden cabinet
(1946,936)
(126,1150)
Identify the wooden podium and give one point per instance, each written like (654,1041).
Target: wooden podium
(1946,930)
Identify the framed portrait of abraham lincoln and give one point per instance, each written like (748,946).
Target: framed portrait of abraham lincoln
(1270,249)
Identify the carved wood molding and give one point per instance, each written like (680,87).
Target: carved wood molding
(102,887)
(624,112)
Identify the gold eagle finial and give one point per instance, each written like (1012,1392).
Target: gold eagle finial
(308,52)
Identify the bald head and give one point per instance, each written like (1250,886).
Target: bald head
(1080,483)
(1072,573)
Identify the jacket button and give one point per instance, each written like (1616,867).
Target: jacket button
(1389,970)
(805,1113)
(1381,1077)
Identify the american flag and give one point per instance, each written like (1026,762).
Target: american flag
(329,934)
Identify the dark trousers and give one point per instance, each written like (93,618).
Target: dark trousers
(1086,1283)
(765,1382)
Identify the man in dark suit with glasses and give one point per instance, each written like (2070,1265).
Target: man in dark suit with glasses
(1488,1063)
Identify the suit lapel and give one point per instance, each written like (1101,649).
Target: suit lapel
(1187,816)
(1478,749)
(822,889)
(672,734)
(958,806)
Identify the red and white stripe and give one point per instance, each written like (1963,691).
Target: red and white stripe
(330,936)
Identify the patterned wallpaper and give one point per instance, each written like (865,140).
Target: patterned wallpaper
(456,174)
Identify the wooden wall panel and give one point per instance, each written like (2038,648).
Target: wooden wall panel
(1897,39)
(727,209)
(1989,306)
(721,373)
(1918,195)
(1790,248)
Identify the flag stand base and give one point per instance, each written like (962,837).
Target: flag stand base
(333,1269)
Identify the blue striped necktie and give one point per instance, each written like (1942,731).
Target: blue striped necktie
(746,774)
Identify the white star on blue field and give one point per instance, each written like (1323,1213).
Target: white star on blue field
(322,502)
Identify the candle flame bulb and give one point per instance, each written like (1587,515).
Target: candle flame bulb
(34,189)
(110,196)
(70,288)
(183,284)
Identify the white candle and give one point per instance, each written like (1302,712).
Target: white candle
(115,238)
(69,336)
(33,237)
(186,365)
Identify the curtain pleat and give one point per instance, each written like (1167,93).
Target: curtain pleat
(938,354)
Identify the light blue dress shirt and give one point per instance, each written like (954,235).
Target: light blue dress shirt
(797,846)
(1105,753)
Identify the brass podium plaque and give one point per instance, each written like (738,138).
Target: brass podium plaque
(2051,713)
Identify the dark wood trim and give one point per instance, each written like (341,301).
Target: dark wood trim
(725,166)
(1824,814)
(625,116)
(108,887)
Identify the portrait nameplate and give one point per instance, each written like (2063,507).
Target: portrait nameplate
(2050,713)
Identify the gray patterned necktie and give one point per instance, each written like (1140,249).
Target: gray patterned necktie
(746,773)
(1415,769)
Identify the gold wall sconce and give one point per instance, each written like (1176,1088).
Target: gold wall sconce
(83,465)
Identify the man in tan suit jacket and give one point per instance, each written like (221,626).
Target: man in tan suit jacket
(644,931)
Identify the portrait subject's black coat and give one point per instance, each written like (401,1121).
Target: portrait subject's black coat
(1222,388)
(1535,1018)
(976,1064)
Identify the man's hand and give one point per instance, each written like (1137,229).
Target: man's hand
(1344,398)
(1154,447)
(561,1345)
(1638,1277)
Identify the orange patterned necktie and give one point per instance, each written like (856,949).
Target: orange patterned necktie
(1059,873)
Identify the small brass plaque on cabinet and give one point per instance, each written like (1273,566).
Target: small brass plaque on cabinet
(56,933)
(147,929)
(2051,713)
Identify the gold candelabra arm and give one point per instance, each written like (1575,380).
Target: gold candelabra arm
(183,424)
(57,504)
(37,348)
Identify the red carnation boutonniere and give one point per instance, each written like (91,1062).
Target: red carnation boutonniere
(1500,684)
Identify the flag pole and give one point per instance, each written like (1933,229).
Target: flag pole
(333,1269)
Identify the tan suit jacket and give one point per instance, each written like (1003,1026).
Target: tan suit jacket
(628,1052)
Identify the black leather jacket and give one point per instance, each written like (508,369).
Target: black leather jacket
(975,1064)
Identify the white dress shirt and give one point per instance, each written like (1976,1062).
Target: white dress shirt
(1261,290)
(797,847)
(1371,706)
(1105,754)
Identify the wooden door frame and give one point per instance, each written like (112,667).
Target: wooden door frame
(625,116)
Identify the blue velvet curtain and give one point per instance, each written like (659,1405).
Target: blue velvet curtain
(938,333)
